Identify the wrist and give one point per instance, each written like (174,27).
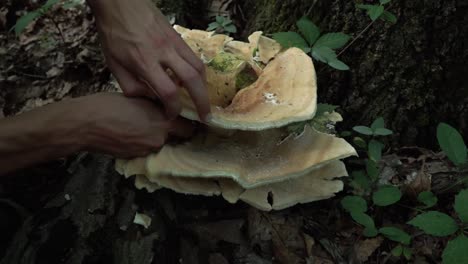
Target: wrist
(46,133)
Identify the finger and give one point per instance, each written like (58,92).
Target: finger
(128,82)
(182,48)
(192,81)
(181,128)
(187,54)
(164,87)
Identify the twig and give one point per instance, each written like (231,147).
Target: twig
(356,38)
(58,28)
(311,7)
(30,75)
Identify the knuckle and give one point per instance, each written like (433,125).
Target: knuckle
(160,41)
(190,77)
(169,93)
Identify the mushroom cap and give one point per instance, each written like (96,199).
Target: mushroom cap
(249,158)
(285,91)
(315,185)
(204,44)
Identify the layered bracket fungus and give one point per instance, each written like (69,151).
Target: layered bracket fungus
(246,152)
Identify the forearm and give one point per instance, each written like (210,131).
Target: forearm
(42,134)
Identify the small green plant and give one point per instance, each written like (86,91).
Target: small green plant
(364,183)
(320,121)
(310,40)
(431,222)
(378,11)
(373,147)
(221,25)
(452,144)
(26,19)
(441,225)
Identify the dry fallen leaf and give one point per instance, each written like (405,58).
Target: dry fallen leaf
(365,248)
(142,219)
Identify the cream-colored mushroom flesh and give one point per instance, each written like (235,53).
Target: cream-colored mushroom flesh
(249,158)
(316,185)
(285,91)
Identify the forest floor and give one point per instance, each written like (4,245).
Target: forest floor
(58,56)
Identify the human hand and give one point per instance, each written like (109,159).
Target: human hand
(109,123)
(127,127)
(139,45)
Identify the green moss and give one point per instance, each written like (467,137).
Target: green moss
(225,62)
(245,78)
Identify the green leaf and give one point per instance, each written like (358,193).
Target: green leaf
(372,169)
(461,205)
(365,7)
(71,4)
(323,54)
(370,232)
(24,21)
(427,198)
(212,26)
(367,222)
(226,22)
(384,2)
(363,219)
(435,223)
(333,40)
(48,5)
(322,108)
(308,29)
(375,150)
(339,65)
(407,253)
(360,142)
(346,133)
(290,39)
(382,132)
(387,16)
(452,143)
(378,123)
(354,204)
(230,28)
(396,234)
(456,251)
(397,251)
(220,19)
(360,180)
(375,12)
(363,130)
(386,195)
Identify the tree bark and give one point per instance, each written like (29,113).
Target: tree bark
(412,73)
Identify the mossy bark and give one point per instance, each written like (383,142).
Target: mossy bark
(412,73)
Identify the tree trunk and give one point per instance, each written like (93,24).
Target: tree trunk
(412,73)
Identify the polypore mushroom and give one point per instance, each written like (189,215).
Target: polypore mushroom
(249,158)
(246,153)
(285,91)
